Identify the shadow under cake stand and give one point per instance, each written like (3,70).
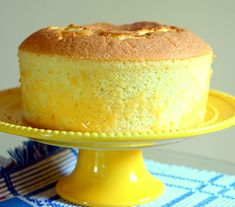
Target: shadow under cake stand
(110,170)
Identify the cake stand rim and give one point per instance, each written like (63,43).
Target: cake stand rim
(46,134)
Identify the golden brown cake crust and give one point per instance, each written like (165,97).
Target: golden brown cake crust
(137,41)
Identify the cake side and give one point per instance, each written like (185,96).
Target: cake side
(60,92)
(103,41)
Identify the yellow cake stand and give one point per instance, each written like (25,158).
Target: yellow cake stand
(110,169)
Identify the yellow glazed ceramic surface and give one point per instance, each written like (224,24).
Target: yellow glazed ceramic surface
(111,177)
(220,115)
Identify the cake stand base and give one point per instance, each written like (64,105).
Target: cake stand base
(110,178)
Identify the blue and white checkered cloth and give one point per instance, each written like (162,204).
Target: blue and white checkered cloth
(32,183)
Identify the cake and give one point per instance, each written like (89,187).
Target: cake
(135,77)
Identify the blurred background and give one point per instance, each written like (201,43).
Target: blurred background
(213,20)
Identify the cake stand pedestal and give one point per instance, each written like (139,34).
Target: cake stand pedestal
(110,170)
(110,178)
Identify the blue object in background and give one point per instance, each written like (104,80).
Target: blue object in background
(14,202)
